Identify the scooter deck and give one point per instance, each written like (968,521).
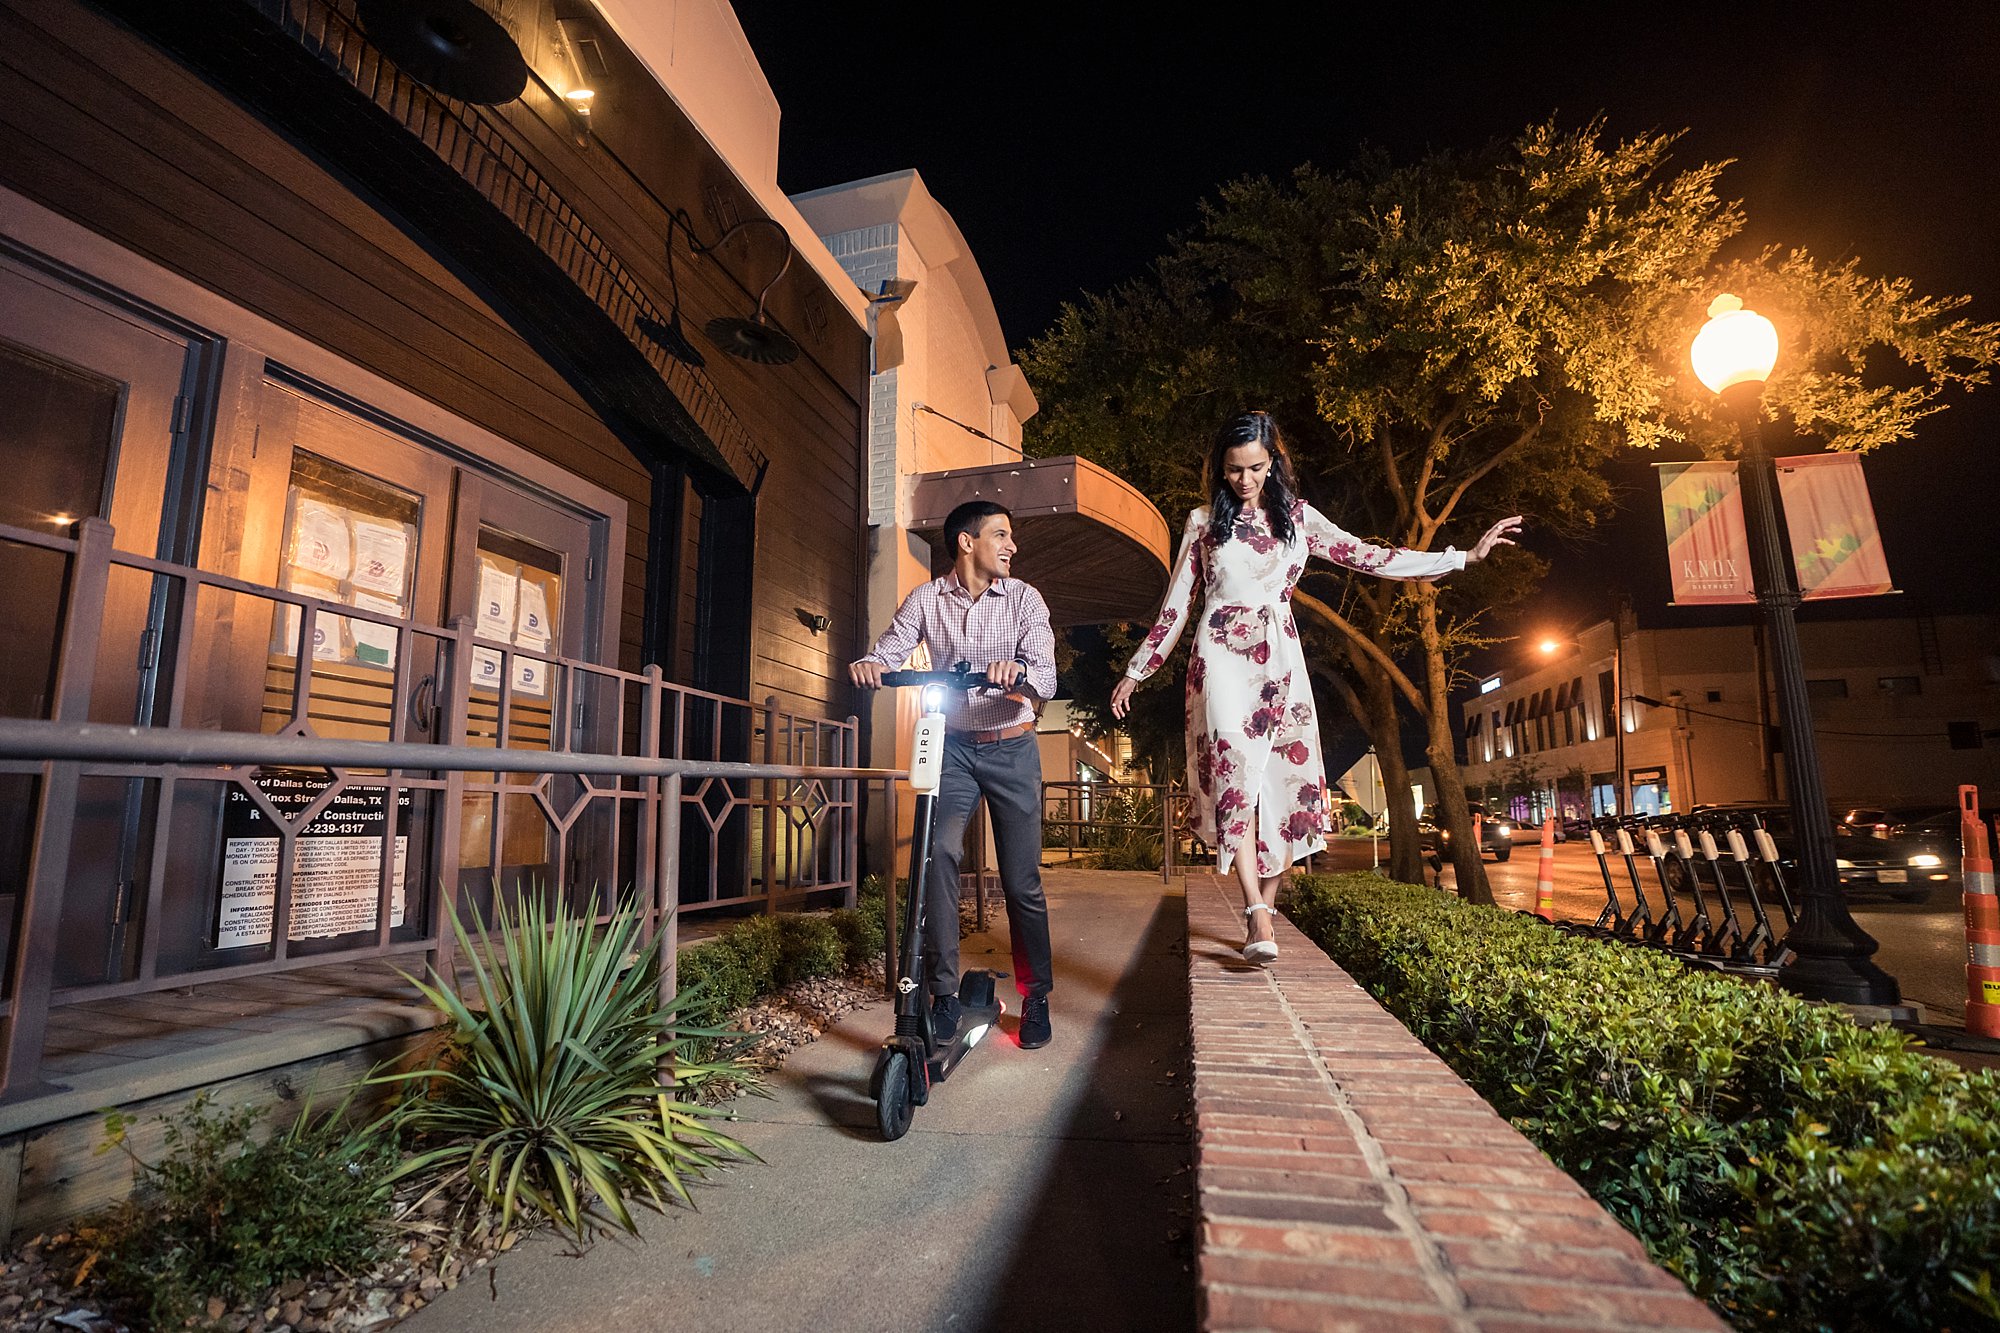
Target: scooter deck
(974,1025)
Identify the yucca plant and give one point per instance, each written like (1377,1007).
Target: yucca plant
(565,1091)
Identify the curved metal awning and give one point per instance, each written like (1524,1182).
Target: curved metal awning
(1096,548)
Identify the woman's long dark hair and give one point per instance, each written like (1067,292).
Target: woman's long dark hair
(1280,490)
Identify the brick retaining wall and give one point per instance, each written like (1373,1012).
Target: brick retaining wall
(1347,1179)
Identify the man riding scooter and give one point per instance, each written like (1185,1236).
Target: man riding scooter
(979,614)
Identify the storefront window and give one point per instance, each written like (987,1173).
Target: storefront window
(349,539)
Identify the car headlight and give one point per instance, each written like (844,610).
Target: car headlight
(1506,831)
(1843,865)
(1926,860)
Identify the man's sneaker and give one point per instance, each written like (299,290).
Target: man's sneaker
(1035,1030)
(944,1017)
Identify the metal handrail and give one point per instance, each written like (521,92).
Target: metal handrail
(98,743)
(1173,805)
(481,737)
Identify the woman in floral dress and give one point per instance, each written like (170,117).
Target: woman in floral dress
(1260,795)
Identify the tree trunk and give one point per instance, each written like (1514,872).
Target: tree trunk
(1452,811)
(1384,729)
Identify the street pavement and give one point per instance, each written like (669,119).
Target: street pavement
(1923,944)
(1042,1189)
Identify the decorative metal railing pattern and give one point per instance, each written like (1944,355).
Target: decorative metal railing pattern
(1089,819)
(329,812)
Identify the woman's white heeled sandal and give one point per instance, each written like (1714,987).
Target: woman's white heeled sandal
(1258,951)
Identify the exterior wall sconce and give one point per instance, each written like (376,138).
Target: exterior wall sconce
(816,621)
(752,338)
(454,46)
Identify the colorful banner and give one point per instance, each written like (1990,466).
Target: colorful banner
(1836,546)
(1708,552)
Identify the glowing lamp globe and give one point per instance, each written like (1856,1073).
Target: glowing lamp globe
(1736,346)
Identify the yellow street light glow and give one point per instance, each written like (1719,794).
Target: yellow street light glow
(1548,645)
(1735,346)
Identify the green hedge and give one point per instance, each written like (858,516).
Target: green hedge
(760,954)
(1797,1171)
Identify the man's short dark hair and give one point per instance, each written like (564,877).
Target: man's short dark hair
(969,518)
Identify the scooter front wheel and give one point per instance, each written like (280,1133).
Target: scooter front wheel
(895,1101)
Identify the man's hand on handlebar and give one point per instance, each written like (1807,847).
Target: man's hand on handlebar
(867,674)
(1004,674)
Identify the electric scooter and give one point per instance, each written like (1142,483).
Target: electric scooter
(912,1060)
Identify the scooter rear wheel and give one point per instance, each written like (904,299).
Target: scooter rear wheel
(895,1103)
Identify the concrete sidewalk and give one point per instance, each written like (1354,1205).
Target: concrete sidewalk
(1039,1190)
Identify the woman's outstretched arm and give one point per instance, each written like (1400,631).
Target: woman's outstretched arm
(1329,542)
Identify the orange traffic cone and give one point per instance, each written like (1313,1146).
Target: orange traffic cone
(1545,874)
(1982,920)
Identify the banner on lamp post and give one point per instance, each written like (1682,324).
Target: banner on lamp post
(1708,548)
(1836,547)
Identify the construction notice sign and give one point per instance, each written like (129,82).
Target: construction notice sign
(336,868)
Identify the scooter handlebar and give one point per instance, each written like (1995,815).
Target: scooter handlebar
(962,677)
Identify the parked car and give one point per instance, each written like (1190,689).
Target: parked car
(1496,836)
(1905,854)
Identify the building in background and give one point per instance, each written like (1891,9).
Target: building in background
(1904,708)
(946,405)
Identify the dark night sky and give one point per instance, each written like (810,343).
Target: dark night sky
(1070,141)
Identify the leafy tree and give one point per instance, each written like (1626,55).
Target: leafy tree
(1464,337)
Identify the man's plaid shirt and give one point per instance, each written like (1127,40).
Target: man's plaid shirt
(1007,623)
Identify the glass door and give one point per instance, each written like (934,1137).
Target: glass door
(527,588)
(93,426)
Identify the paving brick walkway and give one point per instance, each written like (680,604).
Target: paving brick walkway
(1348,1180)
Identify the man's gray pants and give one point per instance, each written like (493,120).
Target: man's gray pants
(1009,775)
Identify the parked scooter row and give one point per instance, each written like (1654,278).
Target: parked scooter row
(1734,854)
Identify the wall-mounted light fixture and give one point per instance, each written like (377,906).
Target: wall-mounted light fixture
(815,621)
(454,46)
(751,339)
(668,333)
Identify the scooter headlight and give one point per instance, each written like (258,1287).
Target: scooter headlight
(933,698)
(973,1037)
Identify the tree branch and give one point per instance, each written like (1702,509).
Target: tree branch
(1368,647)
(1501,455)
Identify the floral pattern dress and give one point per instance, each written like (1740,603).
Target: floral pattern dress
(1253,733)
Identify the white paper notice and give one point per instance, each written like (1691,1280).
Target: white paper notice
(498,590)
(326,634)
(381,557)
(486,668)
(374,644)
(532,631)
(334,888)
(320,539)
(531,675)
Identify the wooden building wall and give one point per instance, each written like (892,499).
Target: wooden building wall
(102,126)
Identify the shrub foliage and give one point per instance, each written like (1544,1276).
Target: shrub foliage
(566,1090)
(221,1214)
(1797,1171)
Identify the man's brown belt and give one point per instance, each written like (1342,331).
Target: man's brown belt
(996,734)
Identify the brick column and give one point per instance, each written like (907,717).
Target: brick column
(1347,1179)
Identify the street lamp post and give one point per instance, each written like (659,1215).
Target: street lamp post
(1618,708)
(1733,355)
